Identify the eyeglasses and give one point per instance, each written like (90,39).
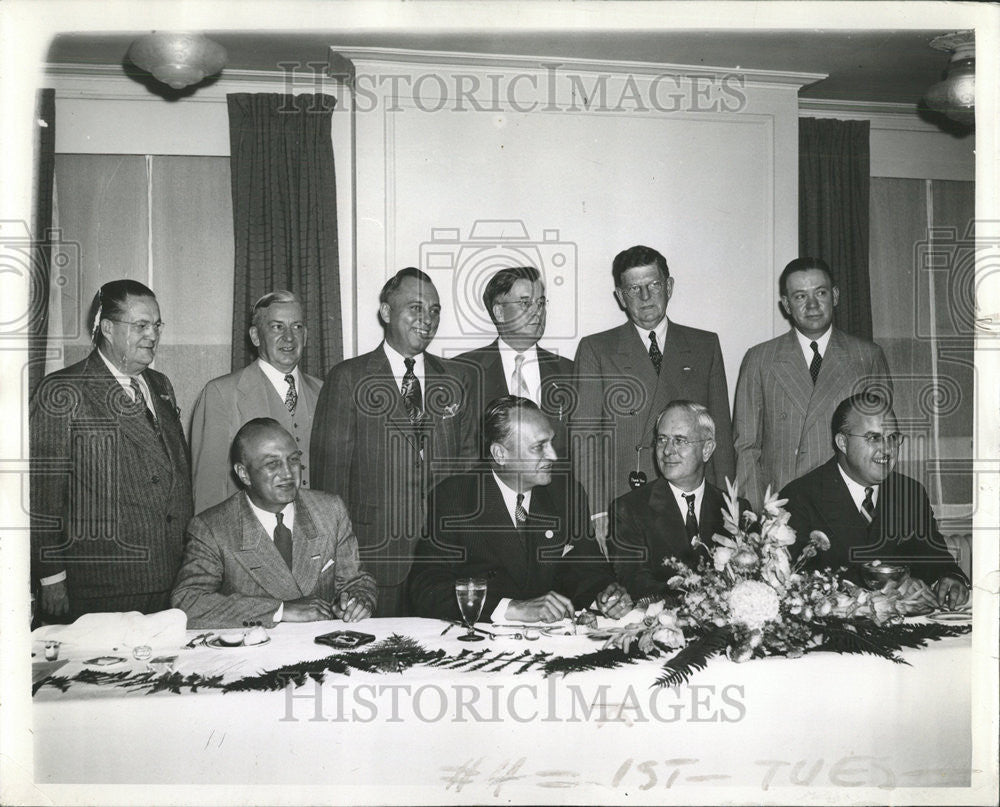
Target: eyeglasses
(653,287)
(675,440)
(527,303)
(873,439)
(142,325)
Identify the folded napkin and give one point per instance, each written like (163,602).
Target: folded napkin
(102,632)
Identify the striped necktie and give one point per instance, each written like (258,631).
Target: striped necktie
(868,505)
(816,362)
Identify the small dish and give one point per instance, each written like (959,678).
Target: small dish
(952,617)
(216,642)
(105,661)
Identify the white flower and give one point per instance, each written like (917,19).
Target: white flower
(753,604)
(654,608)
(781,534)
(721,556)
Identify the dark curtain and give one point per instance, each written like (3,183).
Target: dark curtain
(285,217)
(41,231)
(834,161)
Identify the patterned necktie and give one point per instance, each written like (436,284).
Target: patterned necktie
(816,363)
(517,383)
(520,514)
(868,505)
(283,540)
(654,352)
(691,522)
(410,390)
(140,400)
(291,397)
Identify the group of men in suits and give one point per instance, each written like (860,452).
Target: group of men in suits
(433,459)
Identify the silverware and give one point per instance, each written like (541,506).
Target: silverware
(201,638)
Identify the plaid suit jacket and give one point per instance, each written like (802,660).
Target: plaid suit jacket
(109,497)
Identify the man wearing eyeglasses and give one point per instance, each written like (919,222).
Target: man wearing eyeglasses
(869,511)
(273,386)
(513,363)
(789,386)
(670,516)
(627,375)
(110,471)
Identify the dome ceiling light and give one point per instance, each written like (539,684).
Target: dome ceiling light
(955,97)
(176,58)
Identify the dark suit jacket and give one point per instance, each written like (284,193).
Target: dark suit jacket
(647,526)
(903,527)
(620,395)
(223,407)
(471,534)
(109,497)
(233,573)
(365,450)
(781,420)
(491,382)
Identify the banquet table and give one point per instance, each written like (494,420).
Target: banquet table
(506,732)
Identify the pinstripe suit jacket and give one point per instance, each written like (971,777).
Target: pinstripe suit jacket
(490,382)
(365,450)
(781,421)
(226,403)
(233,573)
(109,499)
(620,395)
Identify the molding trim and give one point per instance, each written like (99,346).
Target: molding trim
(881,115)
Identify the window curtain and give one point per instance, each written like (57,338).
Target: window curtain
(834,159)
(41,231)
(285,217)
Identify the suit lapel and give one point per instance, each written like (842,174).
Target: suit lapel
(676,357)
(307,546)
(509,543)
(834,381)
(380,373)
(791,367)
(253,388)
(711,513)
(260,558)
(668,515)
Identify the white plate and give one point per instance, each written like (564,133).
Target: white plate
(954,617)
(214,642)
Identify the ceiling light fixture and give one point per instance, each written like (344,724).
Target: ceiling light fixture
(176,58)
(956,95)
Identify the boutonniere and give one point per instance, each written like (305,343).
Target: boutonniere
(171,404)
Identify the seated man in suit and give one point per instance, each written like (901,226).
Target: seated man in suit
(514,523)
(661,519)
(514,363)
(273,386)
(870,512)
(275,552)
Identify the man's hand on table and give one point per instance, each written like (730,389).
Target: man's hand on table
(915,596)
(550,607)
(951,592)
(351,607)
(614,601)
(55,599)
(307,609)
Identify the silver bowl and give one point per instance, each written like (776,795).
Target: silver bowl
(876,574)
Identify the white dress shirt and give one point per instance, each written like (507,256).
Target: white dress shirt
(856,490)
(398,367)
(277,378)
(682,505)
(821,343)
(661,333)
(530,371)
(269,521)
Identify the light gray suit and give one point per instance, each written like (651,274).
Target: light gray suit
(781,421)
(233,573)
(226,403)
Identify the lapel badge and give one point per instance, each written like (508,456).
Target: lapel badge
(549,534)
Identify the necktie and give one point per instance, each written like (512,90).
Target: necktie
(517,384)
(654,352)
(283,540)
(816,363)
(520,514)
(868,505)
(410,390)
(291,397)
(691,522)
(140,400)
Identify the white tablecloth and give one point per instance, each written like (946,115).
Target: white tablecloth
(781,727)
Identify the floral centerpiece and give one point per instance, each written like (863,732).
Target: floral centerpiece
(748,598)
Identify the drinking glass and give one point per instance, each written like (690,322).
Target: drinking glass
(471,594)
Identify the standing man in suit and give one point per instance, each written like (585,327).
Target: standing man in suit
(514,364)
(789,386)
(627,375)
(110,471)
(868,511)
(387,425)
(669,516)
(517,524)
(274,552)
(273,386)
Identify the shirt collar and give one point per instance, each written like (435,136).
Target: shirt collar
(510,498)
(269,520)
(660,330)
(508,353)
(821,342)
(276,376)
(679,495)
(123,379)
(398,364)
(856,489)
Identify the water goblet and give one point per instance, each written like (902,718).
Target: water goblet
(471,594)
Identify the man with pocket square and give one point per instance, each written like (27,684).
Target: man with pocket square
(517,523)
(275,551)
